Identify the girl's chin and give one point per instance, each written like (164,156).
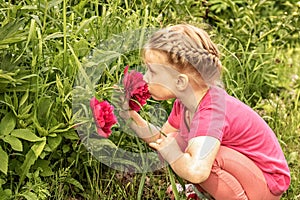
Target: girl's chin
(155,98)
(159,98)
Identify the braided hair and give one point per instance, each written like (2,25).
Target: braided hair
(189,49)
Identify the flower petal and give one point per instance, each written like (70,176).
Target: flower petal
(136,89)
(104,116)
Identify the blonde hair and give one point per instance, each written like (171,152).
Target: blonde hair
(189,49)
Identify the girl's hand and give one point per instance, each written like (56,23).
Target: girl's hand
(168,147)
(164,141)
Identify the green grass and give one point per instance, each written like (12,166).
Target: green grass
(47,45)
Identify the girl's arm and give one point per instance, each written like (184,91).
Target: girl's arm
(195,163)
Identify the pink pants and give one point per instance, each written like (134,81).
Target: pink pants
(234,176)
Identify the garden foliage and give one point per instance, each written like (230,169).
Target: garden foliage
(45,45)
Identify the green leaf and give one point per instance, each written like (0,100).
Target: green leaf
(6,194)
(54,36)
(4,161)
(53,142)
(2,182)
(14,142)
(7,124)
(29,37)
(12,40)
(85,23)
(10,30)
(66,148)
(44,165)
(38,147)
(59,85)
(24,111)
(26,134)
(29,195)
(74,182)
(15,99)
(71,135)
(30,158)
(7,98)
(4,47)
(24,98)
(44,110)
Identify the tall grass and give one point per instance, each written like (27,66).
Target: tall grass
(46,45)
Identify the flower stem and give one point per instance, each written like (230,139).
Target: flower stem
(163,133)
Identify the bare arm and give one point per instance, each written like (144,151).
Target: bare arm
(195,163)
(145,130)
(200,156)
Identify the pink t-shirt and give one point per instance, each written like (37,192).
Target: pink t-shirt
(238,127)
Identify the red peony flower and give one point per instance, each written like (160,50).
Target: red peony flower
(136,89)
(103,116)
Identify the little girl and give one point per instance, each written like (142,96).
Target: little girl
(211,139)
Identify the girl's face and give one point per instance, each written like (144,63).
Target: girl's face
(160,77)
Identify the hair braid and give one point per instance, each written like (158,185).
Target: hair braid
(185,46)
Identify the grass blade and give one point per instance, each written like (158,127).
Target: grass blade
(173,183)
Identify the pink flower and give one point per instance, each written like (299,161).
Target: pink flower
(136,89)
(104,116)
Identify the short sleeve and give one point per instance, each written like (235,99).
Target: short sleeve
(210,120)
(175,115)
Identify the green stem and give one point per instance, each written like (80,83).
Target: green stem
(88,178)
(172,180)
(142,182)
(141,186)
(65,31)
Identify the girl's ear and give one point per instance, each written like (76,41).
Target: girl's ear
(182,82)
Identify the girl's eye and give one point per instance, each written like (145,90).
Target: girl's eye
(150,70)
